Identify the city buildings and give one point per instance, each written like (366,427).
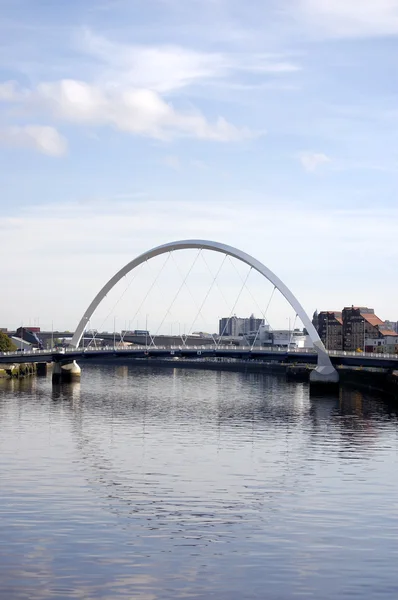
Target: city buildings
(359,323)
(278,338)
(356,328)
(330,329)
(236,326)
(386,342)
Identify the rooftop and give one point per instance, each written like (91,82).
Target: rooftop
(372,318)
(388,332)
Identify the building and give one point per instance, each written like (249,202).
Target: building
(30,335)
(356,328)
(359,324)
(236,326)
(330,328)
(391,325)
(386,342)
(278,338)
(21,344)
(261,337)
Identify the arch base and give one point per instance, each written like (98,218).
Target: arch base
(324,380)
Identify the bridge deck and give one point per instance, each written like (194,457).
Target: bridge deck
(389,361)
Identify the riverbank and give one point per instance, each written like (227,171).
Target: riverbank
(18,370)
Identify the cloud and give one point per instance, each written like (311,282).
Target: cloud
(9,91)
(351,18)
(134,88)
(166,68)
(136,111)
(310,161)
(44,139)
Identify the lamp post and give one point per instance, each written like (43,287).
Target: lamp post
(114,332)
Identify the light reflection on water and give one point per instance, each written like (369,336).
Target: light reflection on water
(139,483)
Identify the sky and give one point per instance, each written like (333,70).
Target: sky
(269,125)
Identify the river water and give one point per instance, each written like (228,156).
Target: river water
(163,484)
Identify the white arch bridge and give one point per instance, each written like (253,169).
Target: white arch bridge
(324,372)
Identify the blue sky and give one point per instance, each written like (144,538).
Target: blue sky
(269,125)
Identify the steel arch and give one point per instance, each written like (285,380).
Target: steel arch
(323,358)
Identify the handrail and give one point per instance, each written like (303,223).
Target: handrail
(204,347)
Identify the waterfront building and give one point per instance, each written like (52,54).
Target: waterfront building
(359,323)
(330,329)
(385,342)
(278,338)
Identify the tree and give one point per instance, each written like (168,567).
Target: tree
(6,345)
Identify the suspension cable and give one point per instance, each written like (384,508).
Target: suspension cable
(178,291)
(111,311)
(154,282)
(233,308)
(206,296)
(264,315)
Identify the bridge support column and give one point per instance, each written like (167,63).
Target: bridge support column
(324,379)
(41,369)
(66,371)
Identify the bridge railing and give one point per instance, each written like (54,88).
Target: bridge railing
(204,347)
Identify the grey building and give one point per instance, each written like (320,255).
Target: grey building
(236,326)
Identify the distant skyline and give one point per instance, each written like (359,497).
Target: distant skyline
(269,125)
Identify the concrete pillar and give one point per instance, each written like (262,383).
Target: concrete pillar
(324,380)
(41,369)
(66,371)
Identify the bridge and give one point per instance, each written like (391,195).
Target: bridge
(324,372)
(245,353)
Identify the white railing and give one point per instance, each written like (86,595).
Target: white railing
(197,348)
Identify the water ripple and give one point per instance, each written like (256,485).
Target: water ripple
(155,484)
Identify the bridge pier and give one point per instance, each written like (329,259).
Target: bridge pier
(41,369)
(65,371)
(324,380)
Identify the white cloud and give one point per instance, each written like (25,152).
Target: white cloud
(9,91)
(166,68)
(310,161)
(129,87)
(136,111)
(351,18)
(44,139)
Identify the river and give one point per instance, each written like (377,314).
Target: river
(162,484)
